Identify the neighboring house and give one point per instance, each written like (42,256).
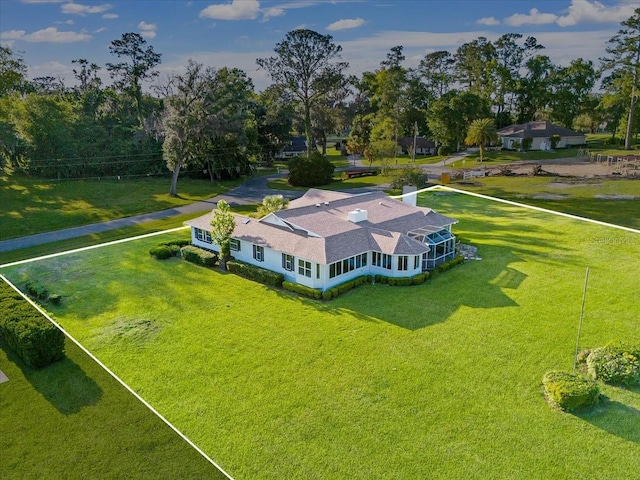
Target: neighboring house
(540,133)
(325,238)
(297,147)
(423,146)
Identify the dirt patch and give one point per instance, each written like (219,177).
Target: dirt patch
(616,197)
(549,196)
(563,185)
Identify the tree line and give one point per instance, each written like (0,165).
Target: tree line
(211,121)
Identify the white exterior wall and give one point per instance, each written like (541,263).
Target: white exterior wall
(273,261)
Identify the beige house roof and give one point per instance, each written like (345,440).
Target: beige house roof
(317,226)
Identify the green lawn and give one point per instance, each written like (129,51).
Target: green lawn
(441,380)
(337,184)
(592,198)
(31,206)
(73,420)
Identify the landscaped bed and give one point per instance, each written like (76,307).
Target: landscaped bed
(440,380)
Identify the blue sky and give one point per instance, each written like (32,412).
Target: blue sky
(51,33)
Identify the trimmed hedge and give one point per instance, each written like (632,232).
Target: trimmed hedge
(443,267)
(164,250)
(26,332)
(161,252)
(257,274)
(199,256)
(615,364)
(570,391)
(37,290)
(303,290)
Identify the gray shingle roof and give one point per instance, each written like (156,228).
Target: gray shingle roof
(536,130)
(324,234)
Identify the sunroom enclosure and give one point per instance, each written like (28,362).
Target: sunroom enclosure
(442,245)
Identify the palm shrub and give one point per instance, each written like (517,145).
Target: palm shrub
(482,132)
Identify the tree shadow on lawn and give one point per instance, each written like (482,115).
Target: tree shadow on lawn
(63,384)
(615,418)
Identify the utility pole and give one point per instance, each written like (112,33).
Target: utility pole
(415,139)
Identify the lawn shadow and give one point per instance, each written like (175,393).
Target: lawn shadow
(615,418)
(63,384)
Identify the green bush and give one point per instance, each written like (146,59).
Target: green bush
(443,267)
(408,176)
(261,275)
(526,143)
(570,391)
(420,278)
(444,150)
(310,171)
(26,332)
(303,290)
(614,364)
(161,252)
(199,256)
(326,295)
(175,243)
(37,290)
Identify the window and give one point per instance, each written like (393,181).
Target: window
(203,235)
(304,268)
(416,261)
(258,253)
(317,270)
(234,245)
(382,260)
(347,265)
(403,262)
(287,262)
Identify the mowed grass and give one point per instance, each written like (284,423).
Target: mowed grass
(73,420)
(30,206)
(584,197)
(441,380)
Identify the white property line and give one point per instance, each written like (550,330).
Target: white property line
(144,402)
(91,247)
(523,205)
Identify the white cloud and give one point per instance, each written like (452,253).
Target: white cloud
(79,9)
(272,12)
(47,35)
(110,16)
(148,30)
(236,10)
(534,17)
(490,21)
(42,1)
(100,30)
(345,24)
(584,11)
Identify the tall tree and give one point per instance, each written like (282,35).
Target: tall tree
(12,70)
(534,88)
(222,226)
(482,132)
(306,64)
(572,86)
(450,116)
(138,65)
(511,54)
(623,60)
(475,66)
(436,70)
(273,111)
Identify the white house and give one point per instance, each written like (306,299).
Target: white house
(326,238)
(540,133)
